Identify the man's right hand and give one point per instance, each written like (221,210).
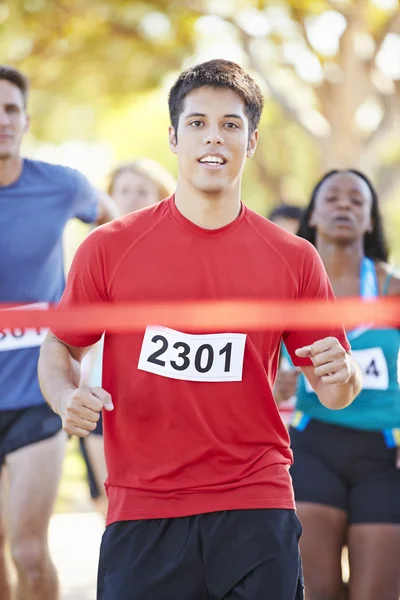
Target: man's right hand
(285,384)
(80,409)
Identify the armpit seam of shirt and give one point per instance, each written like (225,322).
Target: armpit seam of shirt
(266,240)
(136,241)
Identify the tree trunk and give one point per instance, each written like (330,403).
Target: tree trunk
(344,147)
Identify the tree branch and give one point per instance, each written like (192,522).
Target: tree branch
(387,126)
(392,24)
(125,30)
(388,181)
(338,7)
(298,16)
(290,111)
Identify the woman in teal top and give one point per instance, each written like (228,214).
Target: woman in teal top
(346,480)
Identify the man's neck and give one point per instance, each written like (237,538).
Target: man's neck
(341,261)
(10,170)
(209,211)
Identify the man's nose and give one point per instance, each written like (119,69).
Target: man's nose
(214,136)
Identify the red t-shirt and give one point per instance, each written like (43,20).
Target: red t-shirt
(176,445)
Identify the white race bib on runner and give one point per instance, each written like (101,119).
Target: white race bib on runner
(17,338)
(209,357)
(374,369)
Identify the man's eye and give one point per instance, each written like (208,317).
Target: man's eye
(232,125)
(196,123)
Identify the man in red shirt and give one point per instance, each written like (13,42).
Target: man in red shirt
(200,498)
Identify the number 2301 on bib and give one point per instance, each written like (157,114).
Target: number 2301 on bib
(208,357)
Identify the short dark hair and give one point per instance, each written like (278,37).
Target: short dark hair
(17,78)
(375,244)
(217,73)
(286,211)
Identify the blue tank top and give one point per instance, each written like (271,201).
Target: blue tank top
(377,407)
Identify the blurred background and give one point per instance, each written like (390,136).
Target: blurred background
(329,70)
(100,72)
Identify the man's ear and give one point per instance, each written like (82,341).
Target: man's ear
(173,142)
(252,145)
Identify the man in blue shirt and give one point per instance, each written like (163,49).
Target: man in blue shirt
(36,201)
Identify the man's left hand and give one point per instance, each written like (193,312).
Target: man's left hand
(332,364)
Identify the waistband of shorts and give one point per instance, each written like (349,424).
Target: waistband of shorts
(392,438)
(301,420)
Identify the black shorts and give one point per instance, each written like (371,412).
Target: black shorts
(229,555)
(99,427)
(26,426)
(348,469)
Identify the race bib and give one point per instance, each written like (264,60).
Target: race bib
(17,338)
(211,357)
(374,369)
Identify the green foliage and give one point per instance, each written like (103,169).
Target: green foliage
(100,71)
(90,52)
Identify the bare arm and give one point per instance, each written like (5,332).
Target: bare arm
(335,376)
(59,378)
(107,209)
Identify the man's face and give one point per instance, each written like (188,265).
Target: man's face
(213,139)
(13,120)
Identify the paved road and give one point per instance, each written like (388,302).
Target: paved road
(75,542)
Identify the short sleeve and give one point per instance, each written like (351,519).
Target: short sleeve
(313,285)
(85,285)
(85,200)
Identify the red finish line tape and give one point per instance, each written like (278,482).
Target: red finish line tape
(208,315)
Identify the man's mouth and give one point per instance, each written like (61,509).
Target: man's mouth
(212,160)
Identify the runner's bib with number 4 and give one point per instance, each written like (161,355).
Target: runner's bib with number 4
(208,357)
(374,369)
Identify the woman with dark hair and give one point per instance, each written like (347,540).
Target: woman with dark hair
(346,470)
